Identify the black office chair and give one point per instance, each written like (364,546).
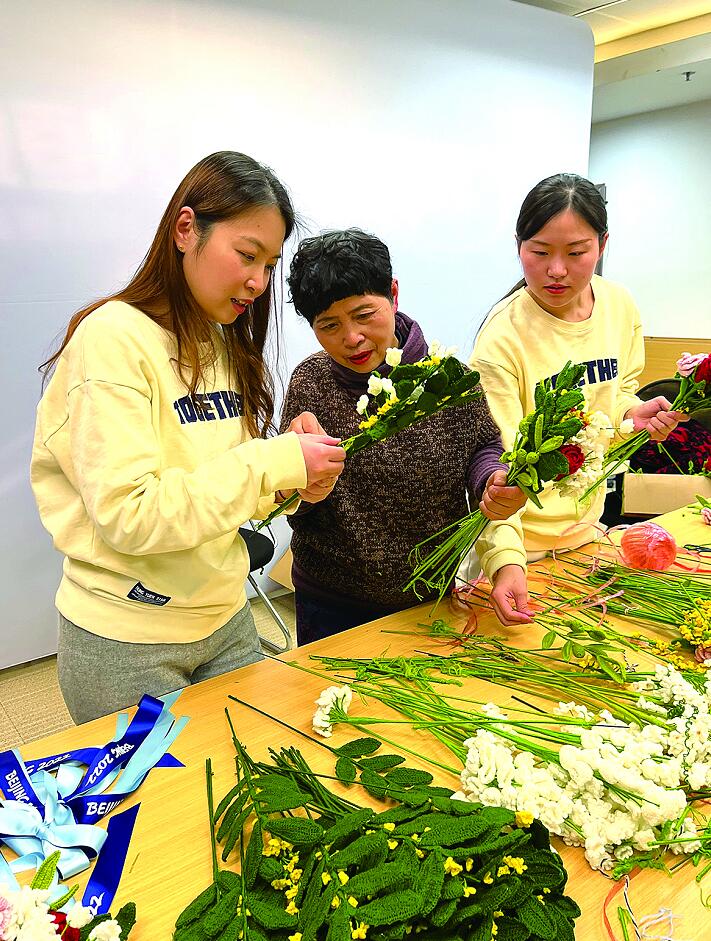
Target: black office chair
(261,551)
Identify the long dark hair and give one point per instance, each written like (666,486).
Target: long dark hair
(217,189)
(556,194)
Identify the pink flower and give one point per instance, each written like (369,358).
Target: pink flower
(706,516)
(5,914)
(703,655)
(688,363)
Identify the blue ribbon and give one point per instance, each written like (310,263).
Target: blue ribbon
(102,885)
(45,813)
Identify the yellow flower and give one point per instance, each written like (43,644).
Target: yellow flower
(494,930)
(523,818)
(292,892)
(335,902)
(384,408)
(502,871)
(516,863)
(451,867)
(541,899)
(415,837)
(353,901)
(325,877)
(546,891)
(368,423)
(296,874)
(469,890)
(488,879)
(360,932)
(280,884)
(342,877)
(420,853)
(393,844)
(469,863)
(389,827)
(291,908)
(295,937)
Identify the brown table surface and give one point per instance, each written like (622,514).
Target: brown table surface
(169,859)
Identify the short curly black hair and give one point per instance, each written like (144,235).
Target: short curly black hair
(335,265)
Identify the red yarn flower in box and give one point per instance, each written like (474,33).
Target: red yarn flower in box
(62,928)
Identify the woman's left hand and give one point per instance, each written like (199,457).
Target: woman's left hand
(499,500)
(656,417)
(509,596)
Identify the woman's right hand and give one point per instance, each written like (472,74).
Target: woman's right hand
(324,458)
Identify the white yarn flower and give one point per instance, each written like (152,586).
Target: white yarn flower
(435,348)
(334,696)
(626,426)
(106,931)
(78,916)
(388,387)
(362,406)
(375,385)
(393,356)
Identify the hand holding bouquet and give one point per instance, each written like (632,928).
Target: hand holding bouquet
(694,372)
(557,442)
(411,392)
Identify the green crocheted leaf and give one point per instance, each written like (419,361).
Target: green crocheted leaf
(346,771)
(337,835)
(197,907)
(223,913)
(408,777)
(534,915)
(227,800)
(44,876)
(235,832)
(382,762)
(253,855)
(269,911)
(297,830)
(126,919)
(400,906)
(451,831)
(358,747)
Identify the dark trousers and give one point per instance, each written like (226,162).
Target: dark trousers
(316,618)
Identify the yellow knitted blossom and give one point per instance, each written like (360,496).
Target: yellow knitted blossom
(280,884)
(296,936)
(523,818)
(360,932)
(389,827)
(325,877)
(415,837)
(469,863)
(335,902)
(516,863)
(420,853)
(353,901)
(696,626)
(368,423)
(546,891)
(541,899)
(498,914)
(494,929)
(296,874)
(273,848)
(503,871)
(393,844)
(488,879)
(342,877)
(451,867)
(293,861)
(292,892)
(469,890)
(291,908)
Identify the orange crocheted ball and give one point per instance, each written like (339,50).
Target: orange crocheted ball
(648,546)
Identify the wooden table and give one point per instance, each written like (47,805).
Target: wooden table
(169,857)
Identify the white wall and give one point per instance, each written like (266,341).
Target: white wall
(425,122)
(656,167)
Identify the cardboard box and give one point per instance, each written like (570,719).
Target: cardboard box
(652,494)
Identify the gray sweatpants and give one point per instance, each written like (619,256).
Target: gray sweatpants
(98,675)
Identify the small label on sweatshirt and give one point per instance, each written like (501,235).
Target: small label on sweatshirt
(140,593)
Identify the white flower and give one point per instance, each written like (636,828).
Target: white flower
(362,406)
(339,696)
(78,916)
(388,387)
(450,351)
(626,426)
(435,348)
(393,356)
(375,385)
(106,931)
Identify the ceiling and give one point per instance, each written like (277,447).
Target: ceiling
(614,19)
(654,76)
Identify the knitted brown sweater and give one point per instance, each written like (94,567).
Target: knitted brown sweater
(356,543)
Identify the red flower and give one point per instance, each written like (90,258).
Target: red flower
(61,927)
(703,371)
(575,458)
